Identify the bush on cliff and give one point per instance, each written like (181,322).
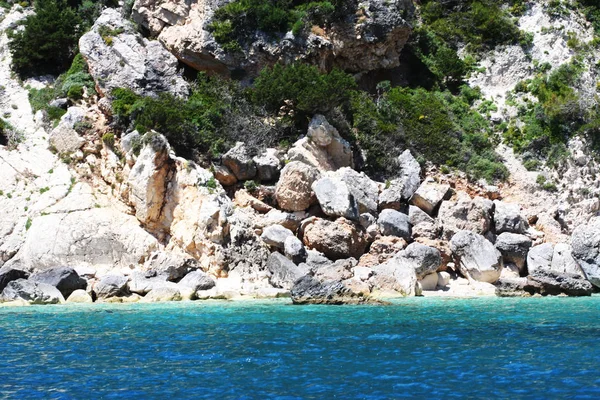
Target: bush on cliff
(48,41)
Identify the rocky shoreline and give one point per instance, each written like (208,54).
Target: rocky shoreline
(89,216)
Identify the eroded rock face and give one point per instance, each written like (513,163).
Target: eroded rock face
(148,180)
(65,279)
(118,56)
(294,189)
(371,39)
(514,248)
(336,239)
(8,274)
(310,290)
(476,257)
(284,273)
(555,283)
(586,249)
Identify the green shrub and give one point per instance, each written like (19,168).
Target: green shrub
(309,90)
(236,23)
(108,139)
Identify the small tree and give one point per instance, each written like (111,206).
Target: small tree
(48,41)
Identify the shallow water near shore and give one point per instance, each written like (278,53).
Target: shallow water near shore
(420,348)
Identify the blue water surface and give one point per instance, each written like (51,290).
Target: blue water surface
(416,348)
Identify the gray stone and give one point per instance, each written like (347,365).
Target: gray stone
(129,140)
(126,59)
(476,257)
(294,250)
(563,261)
(586,249)
(65,279)
(555,283)
(309,290)
(429,195)
(395,277)
(423,259)
(364,190)
(320,131)
(80,296)
(335,198)
(284,273)
(402,188)
(143,282)
(31,292)
(170,266)
(268,165)
(164,293)
(340,270)
(8,274)
(417,216)
(540,258)
(110,286)
(514,248)
(394,223)
(508,218)
(60,103)
(366,220)
(275,235)
(465,214)
(239,161)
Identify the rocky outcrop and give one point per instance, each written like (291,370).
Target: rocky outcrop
(294,189)
(336,239)
(402,188)
(586,249)
(148,180)
(284,273)
(476,257)
(8,274)
(310,290)
(371,38)
(31,292)
(119,57)
(65,279)
(555,283)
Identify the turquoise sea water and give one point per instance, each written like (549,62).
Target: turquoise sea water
(416,348)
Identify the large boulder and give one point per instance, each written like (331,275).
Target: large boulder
(164,293)
(370,38)
(476,257)
(508,218)
(402,188)
(197,280)
(335,198)
(336,239)
(110,286)
(284,273)
(294,189)
(8,274)
(147,180)
(119,57)
(80,296)
(465,213)
(31,292)
(429,195)
(65,279)
(555,283)
(539,258)
(394,223)
(107,238)
(364,190)
(268,164)
(276,235)
(586,249)
(514,248)
(63,138)
(394,277)
(310,290)
(423,259)
(170,266)
(240,162)
(381,250)
(563,261)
